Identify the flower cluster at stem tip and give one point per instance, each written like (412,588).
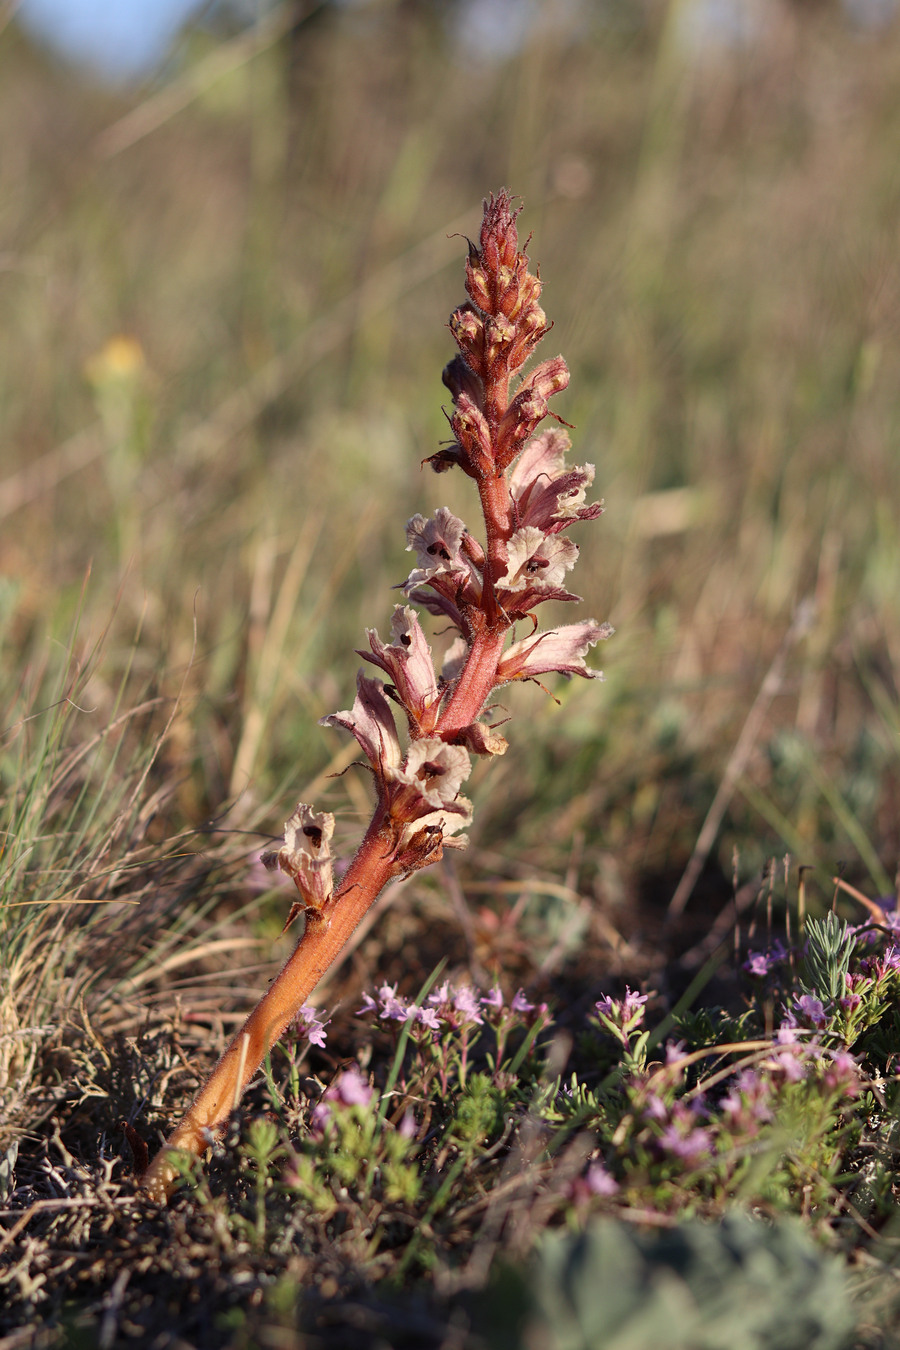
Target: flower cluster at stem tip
(529,499)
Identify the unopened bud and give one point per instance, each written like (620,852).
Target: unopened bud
(499,333)
(549,377)
(534,320)
(471,430)
(477,283)
(466,326)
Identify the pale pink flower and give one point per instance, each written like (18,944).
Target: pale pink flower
(537,561)
(423,794)
(407,660)
(305,856)
(465,1002)
(348,1089)
(558,649)
(427,1017)
(599,1181)
(547,494)
(308,1024)
(437,543)
(371,721)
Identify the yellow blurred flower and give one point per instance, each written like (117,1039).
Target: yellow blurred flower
(120,360)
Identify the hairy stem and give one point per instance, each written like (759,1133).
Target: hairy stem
(322,941)
(476,683)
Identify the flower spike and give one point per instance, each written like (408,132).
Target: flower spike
(529,501)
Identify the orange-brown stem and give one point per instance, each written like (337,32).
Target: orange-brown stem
(321,943)
(475,684)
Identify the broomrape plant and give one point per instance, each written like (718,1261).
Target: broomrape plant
(529,499)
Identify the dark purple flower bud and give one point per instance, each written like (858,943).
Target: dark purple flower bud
(459,378)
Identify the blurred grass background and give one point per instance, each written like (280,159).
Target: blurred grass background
(225,301)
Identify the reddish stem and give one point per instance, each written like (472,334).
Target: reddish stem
(322,941)
(475,684)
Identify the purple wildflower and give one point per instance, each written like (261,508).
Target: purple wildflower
(309,1025)
(520,1003)
(812,1009)
(759,964)
(428,1017)
(599,1181)
(348,1089)
(393,1009)
(622,1016)
(465,1002)
(655,1108)
(690,1147)
(842,1073)
(407,1127)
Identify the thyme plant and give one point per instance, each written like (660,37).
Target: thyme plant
(486,591)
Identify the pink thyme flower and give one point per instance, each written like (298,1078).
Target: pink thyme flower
(690,1147)
(621,1017)
(599,1181)
(812,1009)
(393,1008)
(348,1089)
(307,1024)
(842,1073)
(440,996)
(465,1002)
(655,1108)
(759,964)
